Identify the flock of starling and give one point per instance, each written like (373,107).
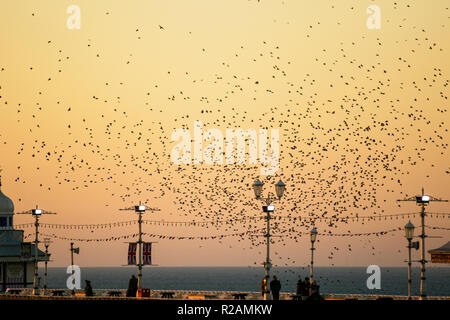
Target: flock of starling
(349,130)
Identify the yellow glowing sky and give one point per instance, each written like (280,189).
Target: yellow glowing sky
(310,68)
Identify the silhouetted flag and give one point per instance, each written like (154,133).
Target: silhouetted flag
(132,253)
(147,253)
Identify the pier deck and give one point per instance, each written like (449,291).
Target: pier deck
(120,294)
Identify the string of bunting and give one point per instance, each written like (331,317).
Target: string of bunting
(218,222)
(79,226)
(124,223)
(349,234)
(240,234)
(437,228)
(381,217)
(124,237)
(376,233)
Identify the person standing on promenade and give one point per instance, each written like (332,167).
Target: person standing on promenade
(275,287)
(88,289)
(314,287)
(299,291)
(132,287)
(305,292)
(315,295)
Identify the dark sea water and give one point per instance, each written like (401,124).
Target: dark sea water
(342,280)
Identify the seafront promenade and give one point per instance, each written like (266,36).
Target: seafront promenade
(120,294)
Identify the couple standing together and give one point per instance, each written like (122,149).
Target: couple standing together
(275,287)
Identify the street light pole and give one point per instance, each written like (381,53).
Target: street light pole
(46,243)
(140,209)
(139,284)
(257,188)
(267,265)
(422,253)
(311,267)
(36,241)
(423,200)
(409,234)
(36,213)
(313,235)
(409,269)
(73,271)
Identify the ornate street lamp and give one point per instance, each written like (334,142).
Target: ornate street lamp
(268,208)
(409,234)
(279,188)
(257,187)
(313,235)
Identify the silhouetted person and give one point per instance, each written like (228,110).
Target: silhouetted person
(88,289)
(275,287)
(305,289)
(315,295)
(299,291)
(132,286)
(314,287)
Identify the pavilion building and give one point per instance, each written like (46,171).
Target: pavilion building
(441,254)
(16,256)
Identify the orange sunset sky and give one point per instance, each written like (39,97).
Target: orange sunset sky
(86,117)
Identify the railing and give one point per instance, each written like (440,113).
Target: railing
(184,295)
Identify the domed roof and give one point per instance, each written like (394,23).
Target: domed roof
(6,205)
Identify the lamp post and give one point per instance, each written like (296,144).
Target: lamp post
(72,251)
(409,234)
(46,244)
(71,263)
(280,187)
(422,201)
(313,235)
(140,209)
(36,213)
